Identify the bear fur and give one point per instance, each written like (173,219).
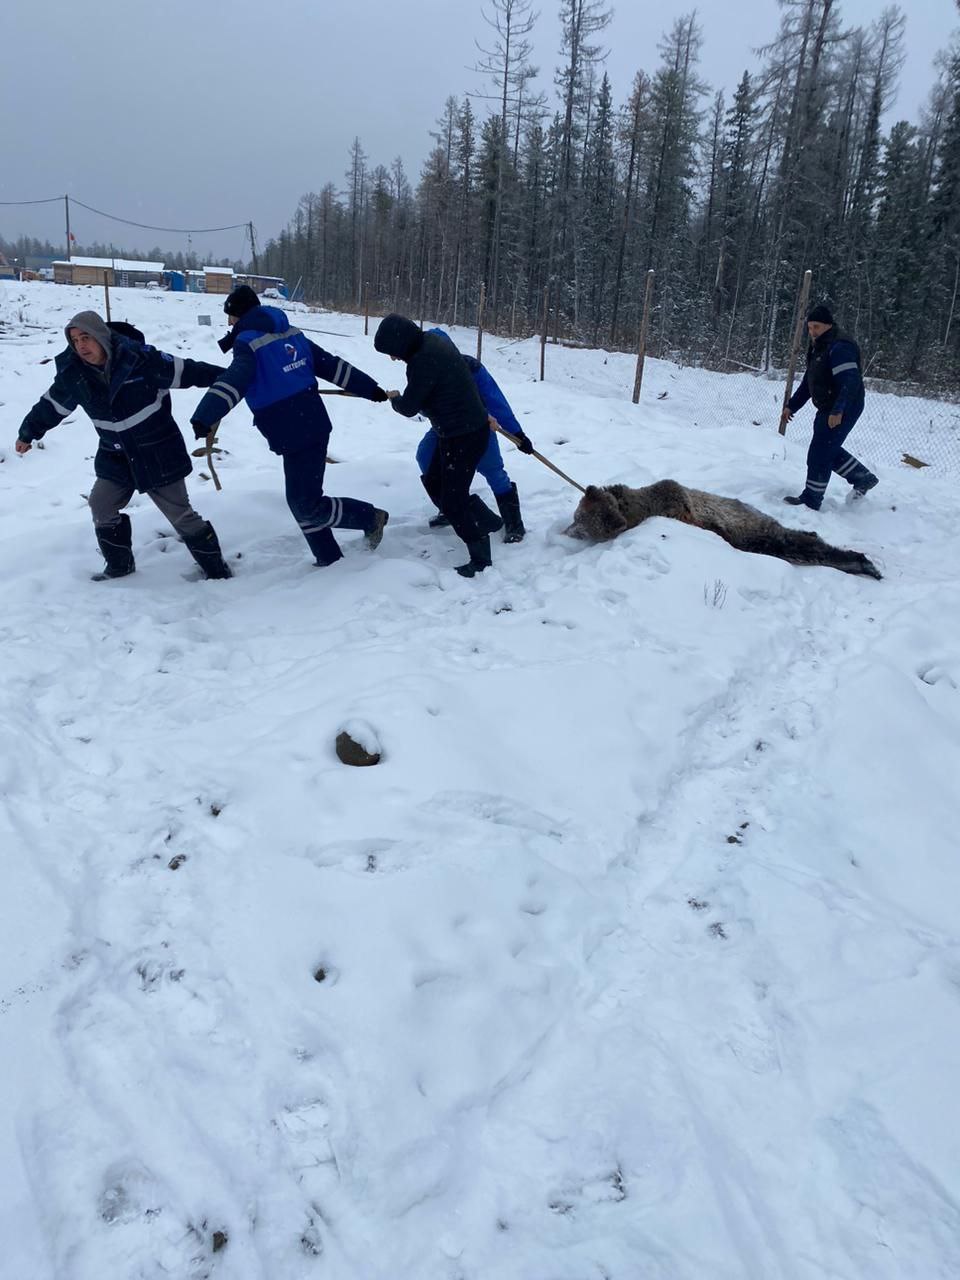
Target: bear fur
(603,512)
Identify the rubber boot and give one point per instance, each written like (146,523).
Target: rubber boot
(116,541)
(374,535)
(487,521)
(205,549)
(480,558)
(509,504)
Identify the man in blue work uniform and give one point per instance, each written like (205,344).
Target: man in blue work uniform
(275,369)
(834,382)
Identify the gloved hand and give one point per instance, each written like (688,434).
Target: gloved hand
(378,395)
(200,432)
(226,342)
(524,444)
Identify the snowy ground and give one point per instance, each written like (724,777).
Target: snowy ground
(639,950)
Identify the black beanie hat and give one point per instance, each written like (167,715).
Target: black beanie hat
(821,314)
(242,300)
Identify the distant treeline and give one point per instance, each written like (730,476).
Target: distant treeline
(728,201)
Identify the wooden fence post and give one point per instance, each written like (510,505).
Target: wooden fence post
(106,292)
(795,346)
(642,345)
(543,331)
(483,300)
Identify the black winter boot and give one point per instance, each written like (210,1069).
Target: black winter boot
(439,521)
(205,549)
(116,541)
(509,504)
(802,500)
(480,558)
(487,521)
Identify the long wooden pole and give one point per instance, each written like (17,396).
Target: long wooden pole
(534,454)
(644,329)
(795,347)
(366,309)
(543,331)
(106,293)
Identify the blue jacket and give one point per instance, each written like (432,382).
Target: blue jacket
(275,368)
(140,443)
(833,379)
(494,401)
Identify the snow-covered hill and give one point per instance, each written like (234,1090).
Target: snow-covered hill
(637,955)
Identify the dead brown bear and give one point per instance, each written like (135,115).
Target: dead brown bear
(603,512)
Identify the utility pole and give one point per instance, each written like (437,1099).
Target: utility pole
(253,249)
(66,206)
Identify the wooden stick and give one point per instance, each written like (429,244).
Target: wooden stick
(206,450)
(539,456)
(483,299)
(795,347)
(642,343)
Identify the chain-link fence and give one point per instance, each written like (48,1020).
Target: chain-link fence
(900,424)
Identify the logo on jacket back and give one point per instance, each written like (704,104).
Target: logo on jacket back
(291,351)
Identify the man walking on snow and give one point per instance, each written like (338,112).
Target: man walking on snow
(123,387)
(440,386)
(275,369)
(490,465)
(834,382)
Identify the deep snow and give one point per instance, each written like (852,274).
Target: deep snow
(638,951)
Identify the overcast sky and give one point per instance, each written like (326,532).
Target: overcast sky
(200,113)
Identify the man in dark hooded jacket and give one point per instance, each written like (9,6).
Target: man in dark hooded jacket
(275,369)
(123,386)
(441,387)
(834,382)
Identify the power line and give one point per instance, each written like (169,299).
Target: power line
(145,226)
(52,200)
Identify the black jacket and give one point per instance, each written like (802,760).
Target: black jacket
(140,443)
(833,379)
(439,383)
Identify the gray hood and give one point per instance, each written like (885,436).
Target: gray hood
(93,324)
